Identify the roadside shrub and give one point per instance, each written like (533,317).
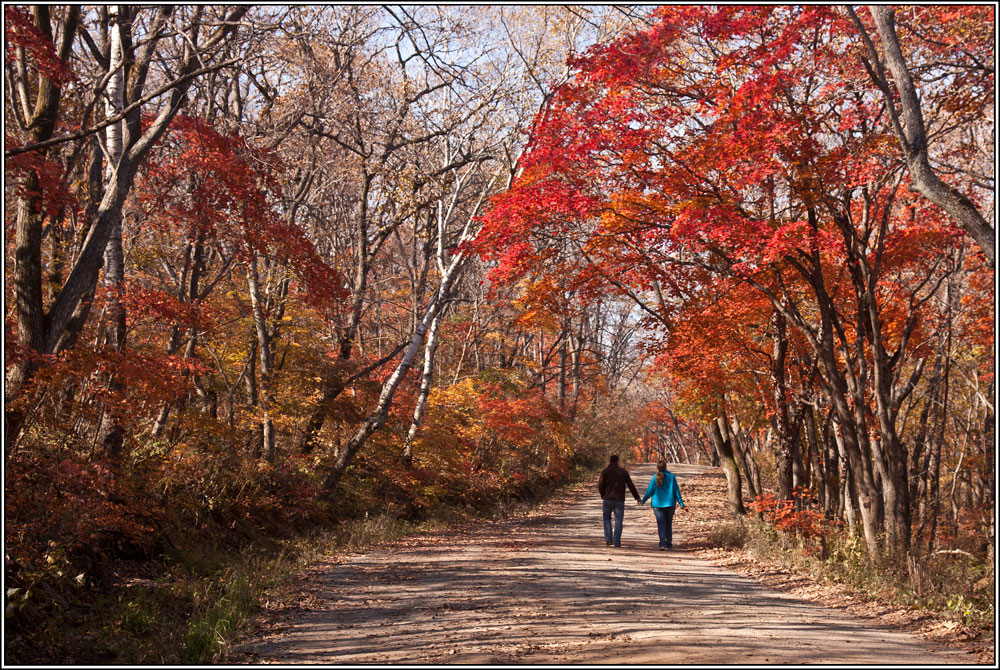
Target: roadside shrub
(951,582)
(810,527)
(730,534)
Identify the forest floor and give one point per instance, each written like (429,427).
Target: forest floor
(542,587)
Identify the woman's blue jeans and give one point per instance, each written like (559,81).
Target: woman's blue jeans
(618,507)
(665,525)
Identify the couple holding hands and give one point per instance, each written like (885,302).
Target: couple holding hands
(662,489)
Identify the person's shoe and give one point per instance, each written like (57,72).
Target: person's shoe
(618,546)
(609,543)
(662,548)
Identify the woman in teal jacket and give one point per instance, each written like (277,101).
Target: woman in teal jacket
(665,493)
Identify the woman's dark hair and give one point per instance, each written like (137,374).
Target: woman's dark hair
(661,466)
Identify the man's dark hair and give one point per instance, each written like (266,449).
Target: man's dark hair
(614,459)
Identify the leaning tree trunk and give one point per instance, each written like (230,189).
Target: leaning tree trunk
(425,389)
(376,419)
(378,416)
(911,132)
(718,432)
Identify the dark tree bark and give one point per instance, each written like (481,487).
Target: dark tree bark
(32,322)
(782,425)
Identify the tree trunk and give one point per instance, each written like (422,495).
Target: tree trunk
(989,457)
(376,419)
(917,456)
(32,322)
(111,433)
(741,452)
(266,399)
(850,421)
(799,460)
(563,355)
(782,428)
(349,333)
(816,471)
(425,389)
(912,135)
(188,290)
(718,432)
(935,465)
(832,473)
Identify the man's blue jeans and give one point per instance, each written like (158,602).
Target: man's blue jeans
(665,525)
(618,507)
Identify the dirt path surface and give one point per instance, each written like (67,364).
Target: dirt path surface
(544,588)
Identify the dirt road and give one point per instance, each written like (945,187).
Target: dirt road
(544,588)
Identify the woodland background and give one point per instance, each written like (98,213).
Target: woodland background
(277,270)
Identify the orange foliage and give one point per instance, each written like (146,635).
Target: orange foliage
(782,514)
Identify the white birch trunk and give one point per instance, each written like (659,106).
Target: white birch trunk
(111,433)
(425,389)
(114,271)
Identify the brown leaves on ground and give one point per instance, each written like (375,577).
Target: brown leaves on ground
(705,496)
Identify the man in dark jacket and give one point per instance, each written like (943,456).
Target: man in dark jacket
(611,486)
